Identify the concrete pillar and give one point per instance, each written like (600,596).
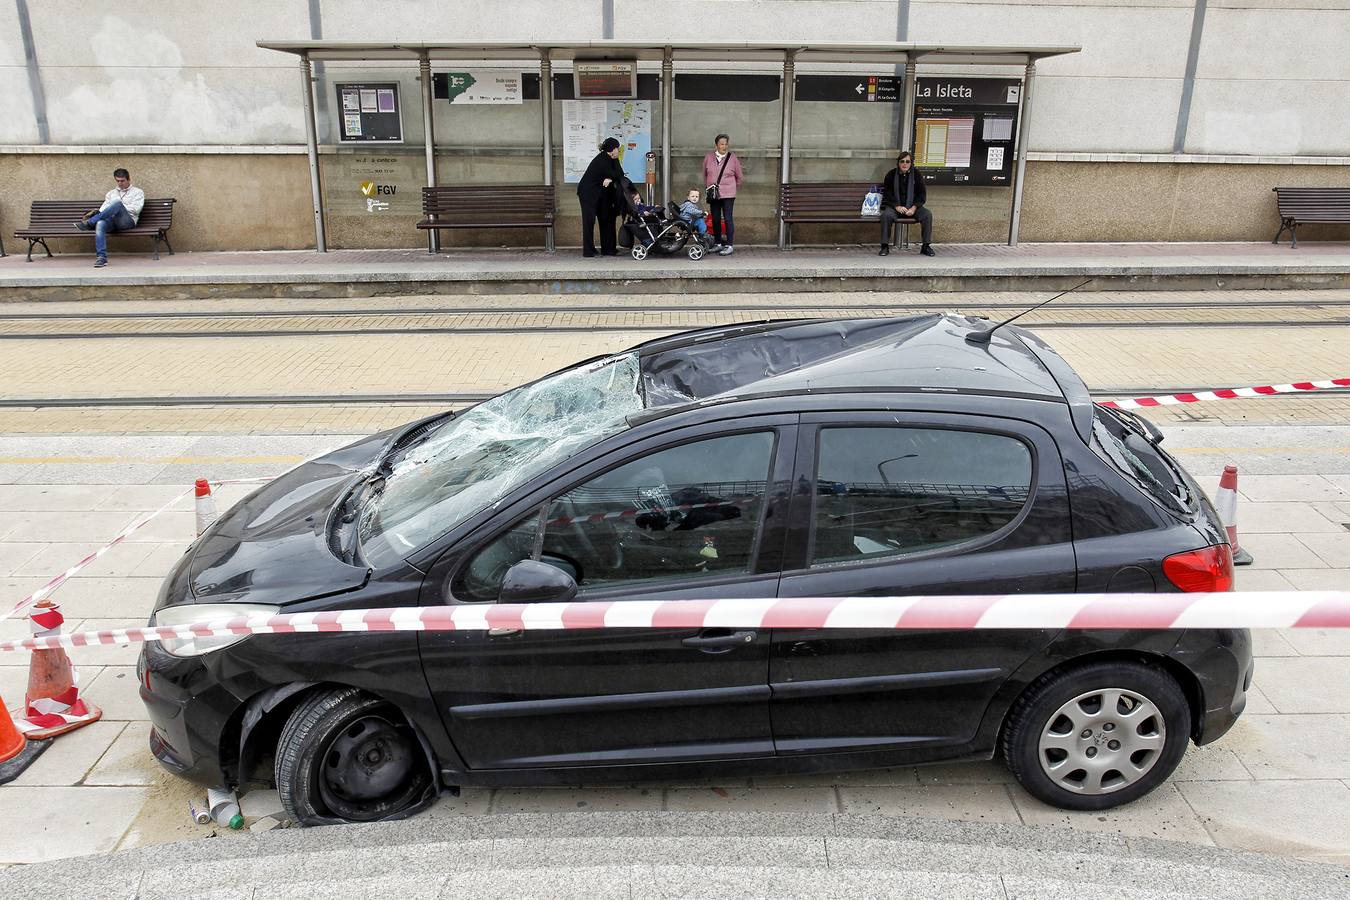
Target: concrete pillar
(667,117)
(546,104)
(907,115)
(312,145)
(787,91)
(1023,131)
(429,127)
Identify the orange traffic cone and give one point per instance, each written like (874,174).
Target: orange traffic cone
(206,506)
(16,752)
(54,705)
(1226,505)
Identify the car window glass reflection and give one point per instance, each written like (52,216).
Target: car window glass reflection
(886,491)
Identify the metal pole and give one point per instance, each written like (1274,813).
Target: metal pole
(546,104)
(785,144)
(312,144)
(667,117)
(1023,129)
(907,117)
(429,127)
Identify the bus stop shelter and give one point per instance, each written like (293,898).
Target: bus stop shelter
(904,57)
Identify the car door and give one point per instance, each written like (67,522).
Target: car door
(903,504)
(699,513)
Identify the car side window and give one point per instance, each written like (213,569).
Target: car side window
(884,491)
(681,512)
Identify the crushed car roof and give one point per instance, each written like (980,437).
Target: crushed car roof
(923,353)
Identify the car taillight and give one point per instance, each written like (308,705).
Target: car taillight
(1208,569)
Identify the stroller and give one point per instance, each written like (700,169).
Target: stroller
(661,232)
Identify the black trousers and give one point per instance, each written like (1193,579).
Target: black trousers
(889,217)
(601,211)
(721,210)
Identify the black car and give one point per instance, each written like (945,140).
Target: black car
(872,457)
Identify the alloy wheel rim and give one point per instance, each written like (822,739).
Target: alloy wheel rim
(1102,741)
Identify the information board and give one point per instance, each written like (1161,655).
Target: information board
(586,124)
(965,129)
(605,80)
(848,89)
(370,113)
(477,86)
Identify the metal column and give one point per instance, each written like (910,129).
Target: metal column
(907,117)
(546,103)
(1023,129)
(312,145)
(429,127)
(785,149)
(667,117)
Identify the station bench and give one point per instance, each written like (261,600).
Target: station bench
(827,202)
(1321,205)
(490,206)
(56,218)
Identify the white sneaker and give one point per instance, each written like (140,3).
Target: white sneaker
(726,250)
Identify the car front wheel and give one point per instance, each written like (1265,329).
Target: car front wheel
(346,756)
(1098,736)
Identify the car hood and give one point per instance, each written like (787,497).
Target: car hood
(273,546)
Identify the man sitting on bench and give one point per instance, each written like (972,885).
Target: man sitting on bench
(121,210)
(902,197)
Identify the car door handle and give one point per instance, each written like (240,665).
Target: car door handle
(719,643)
(502,632)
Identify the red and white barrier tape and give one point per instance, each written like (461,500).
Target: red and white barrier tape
(1258,609)
(1264,390)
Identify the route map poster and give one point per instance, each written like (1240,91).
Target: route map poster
(965,129)
(586,124)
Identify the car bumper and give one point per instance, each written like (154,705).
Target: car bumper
(1221,660)
(188,713)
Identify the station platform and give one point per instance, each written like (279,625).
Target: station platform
(957,267)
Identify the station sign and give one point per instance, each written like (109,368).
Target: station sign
(369,112)
(849,89)
(965,130)
(478,87)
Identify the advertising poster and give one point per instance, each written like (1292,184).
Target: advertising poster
(586,124)
(965,129)
(478,87)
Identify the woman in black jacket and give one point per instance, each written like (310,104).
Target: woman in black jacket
(596,191)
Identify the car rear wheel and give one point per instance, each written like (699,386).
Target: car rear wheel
(1097,736)
(346,756)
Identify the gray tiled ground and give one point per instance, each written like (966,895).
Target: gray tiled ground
(1278,781)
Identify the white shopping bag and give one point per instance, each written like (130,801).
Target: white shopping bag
(871,204)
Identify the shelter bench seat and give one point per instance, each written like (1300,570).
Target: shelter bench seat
(1310,204)
(819,202)
(490,206)
(56,218)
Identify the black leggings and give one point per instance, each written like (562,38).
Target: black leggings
(722,209)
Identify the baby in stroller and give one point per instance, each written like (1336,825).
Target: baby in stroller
(653,230)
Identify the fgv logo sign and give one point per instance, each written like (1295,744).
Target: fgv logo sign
(373,192)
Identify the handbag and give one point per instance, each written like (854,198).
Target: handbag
(713,193)
(871,205)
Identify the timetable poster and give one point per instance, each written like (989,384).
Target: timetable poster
(370,113)
(965,129)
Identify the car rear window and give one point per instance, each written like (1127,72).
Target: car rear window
(1123,440)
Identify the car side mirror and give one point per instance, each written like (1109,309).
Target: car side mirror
(529,581)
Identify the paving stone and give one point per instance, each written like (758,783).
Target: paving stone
(115,689)
(1163,813)
(991,772)
(1276,488)
(1292,746)
(142,497)
(1320,641)
(51,497)
(470,802)
(46,823)
(109,598)
(965,802)
(1287,817)
(760,799)
(1280,551)
(704,850)
(1253,579)
(71,756)
(1334,549)
(129,760)
(68,526)
(1272,642)
(533,800)
(1274,517)
(1317,579)
(1213,762)
(55,558)
(1257,702)
(13,554)
(1306,684)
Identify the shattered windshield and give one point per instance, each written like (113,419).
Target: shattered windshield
(469,462)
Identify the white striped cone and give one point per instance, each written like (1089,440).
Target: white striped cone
(1226,505)
(53,705)
(206,506)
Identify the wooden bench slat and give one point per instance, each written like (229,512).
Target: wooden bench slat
(1299,205)
(489,206)
(56,218)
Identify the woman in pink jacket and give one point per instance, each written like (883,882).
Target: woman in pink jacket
(722,169)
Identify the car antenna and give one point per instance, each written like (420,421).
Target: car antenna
(985,336)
